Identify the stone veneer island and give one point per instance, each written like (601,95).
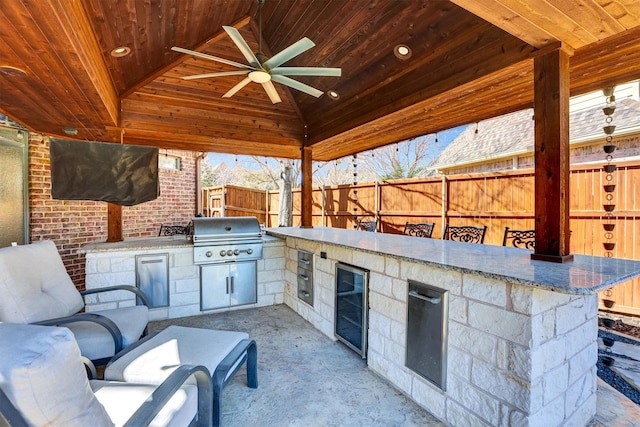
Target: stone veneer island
(522,334)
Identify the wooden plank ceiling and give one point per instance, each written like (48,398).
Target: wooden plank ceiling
(471,60)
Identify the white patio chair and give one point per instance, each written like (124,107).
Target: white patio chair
(35,288)
(44,382)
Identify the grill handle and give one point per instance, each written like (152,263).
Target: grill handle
(424,298)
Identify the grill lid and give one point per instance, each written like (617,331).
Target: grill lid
(211,230)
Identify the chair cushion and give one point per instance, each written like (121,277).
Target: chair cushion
(42,374)
(95,342)
(156,358)
(34,284)
(121,400)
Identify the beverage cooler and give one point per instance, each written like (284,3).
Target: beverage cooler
(352,307)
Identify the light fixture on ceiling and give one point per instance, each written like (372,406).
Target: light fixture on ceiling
(69,130)
(8,70)
(333,94)
(121,51)
(402,51)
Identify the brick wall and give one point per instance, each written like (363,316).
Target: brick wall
(72,224)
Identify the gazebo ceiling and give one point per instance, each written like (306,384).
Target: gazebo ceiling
(470,60)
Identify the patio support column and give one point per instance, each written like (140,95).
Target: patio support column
(551,113)
(307,190)
(114,223)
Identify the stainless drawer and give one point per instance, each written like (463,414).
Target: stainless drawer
(305,276)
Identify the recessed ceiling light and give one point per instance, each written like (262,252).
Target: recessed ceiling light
(8,70)
(402,51)
(333,94)
(69,130)
(121,51)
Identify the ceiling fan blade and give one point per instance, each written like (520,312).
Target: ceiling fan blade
(297,85)
(306,71)
(294,50)
(223,73)
(271,91)
(242,45)
(237,87)
(211,57)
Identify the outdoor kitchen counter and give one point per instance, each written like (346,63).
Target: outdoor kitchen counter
(583,275)
(148,243)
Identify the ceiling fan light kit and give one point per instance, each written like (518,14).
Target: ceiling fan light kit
(264,70)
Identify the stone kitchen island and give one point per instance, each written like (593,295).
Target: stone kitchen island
(115,263)
(519,345)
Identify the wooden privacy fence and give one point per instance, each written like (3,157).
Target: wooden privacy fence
(497,200)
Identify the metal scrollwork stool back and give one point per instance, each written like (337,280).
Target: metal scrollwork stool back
(418,230)
(464,233)
(367,225)
(525,239)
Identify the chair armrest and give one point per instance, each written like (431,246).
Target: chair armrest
(103,321)
(10,413)
(140,295)
(150,408)
(92,373)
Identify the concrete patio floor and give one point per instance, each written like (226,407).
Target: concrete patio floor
(306,379)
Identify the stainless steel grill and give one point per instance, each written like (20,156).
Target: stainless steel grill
(223,239)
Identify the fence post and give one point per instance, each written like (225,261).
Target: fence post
(376,203)
(223,201)
(266,207)
(323,210)
(445,201)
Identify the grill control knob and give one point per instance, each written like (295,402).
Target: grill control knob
(229,252)
(249,251)
(223,253)
(208,254)
(236,252)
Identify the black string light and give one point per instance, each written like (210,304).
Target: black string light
(355,190)
(609,169)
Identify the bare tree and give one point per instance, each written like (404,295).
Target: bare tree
(407,159)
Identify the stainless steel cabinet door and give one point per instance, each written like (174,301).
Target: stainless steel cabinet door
(243,278)
(214,286)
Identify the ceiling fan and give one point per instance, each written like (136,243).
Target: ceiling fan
(265,70)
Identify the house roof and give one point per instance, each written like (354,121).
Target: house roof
(513,134)
(470,61)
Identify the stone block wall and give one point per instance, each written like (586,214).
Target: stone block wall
(117,267)
(516,355)
(71,224)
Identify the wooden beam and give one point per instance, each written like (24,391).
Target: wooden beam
(307,190)
(551,114)
(114,220)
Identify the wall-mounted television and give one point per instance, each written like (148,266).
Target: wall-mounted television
(117,173)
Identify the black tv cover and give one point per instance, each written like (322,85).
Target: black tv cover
(123,174)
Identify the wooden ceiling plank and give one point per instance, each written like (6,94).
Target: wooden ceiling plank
(626,12)
(179,59)
(74,21)
(46,73)
(519,26)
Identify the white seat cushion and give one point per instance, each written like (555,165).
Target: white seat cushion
(121,400)
(43,375)
(156,358)
(95,342)
(34,284)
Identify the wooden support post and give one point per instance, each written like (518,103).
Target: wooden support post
(114,223)
(307,190)
(551,113)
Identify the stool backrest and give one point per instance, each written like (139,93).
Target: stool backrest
(418,230)
(367,225)
(464,233)
(525,239)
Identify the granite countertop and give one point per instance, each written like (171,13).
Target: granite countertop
(583,275)
(149,243)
